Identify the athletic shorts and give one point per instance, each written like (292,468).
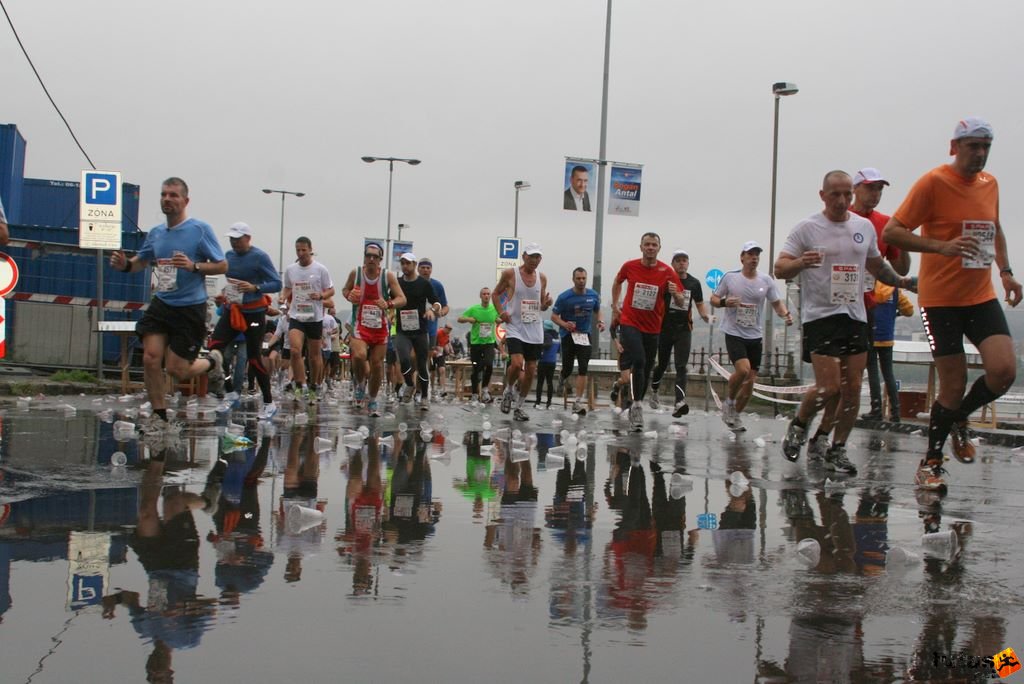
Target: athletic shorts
(184,326)
(313,330)
(390,356)
(286,354)
(835,335)
(530,352)
(946,326)
(742,348)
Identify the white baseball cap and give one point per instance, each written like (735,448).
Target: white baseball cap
(868,175)
(679,253)
(408,256)
(239,229)
(972,127)
(532,248)
(751,246)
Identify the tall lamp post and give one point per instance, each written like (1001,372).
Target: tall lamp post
(280,246)
(519,185)
(391,173)
(779,90)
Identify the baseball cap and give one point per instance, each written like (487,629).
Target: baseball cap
(680,252)
(751,246)
(972,127)
(408,256)
(239,229)
(532,248)
(869,175)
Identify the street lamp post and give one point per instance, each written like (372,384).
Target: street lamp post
(780,90)
(519,185)
(280,246)
(391,172)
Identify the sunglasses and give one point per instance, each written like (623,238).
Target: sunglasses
(370,255)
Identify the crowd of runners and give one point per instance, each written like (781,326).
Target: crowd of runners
(852,263)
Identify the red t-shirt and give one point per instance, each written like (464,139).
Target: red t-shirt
(878,220)
(644,305)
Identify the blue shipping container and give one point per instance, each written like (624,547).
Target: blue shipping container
(54,203)
(12,170)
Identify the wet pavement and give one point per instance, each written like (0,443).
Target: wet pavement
(475,553)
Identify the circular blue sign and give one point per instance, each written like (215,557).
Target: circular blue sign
(713,277)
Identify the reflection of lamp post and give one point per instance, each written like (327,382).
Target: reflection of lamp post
(280,246)
(780,90)
(519,185)
(391,172)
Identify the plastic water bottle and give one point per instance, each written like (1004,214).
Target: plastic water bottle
(118,459)
(808,552)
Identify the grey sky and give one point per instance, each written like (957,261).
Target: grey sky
(237,96)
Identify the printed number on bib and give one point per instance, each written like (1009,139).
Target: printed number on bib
(410,319)
(166,276)
(645,296)
(530,311)
(232,293)
(686,302)
(581,339)
(985,233)
(372,316)
(746,315)
(485,330)
(845,287)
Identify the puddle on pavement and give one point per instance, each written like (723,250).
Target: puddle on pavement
(233,551)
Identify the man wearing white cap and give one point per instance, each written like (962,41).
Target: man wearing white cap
(742,294)
(956,206)
(831,251)
(411,325)
(251,275)
(650,282)
(676,331)
(526,290)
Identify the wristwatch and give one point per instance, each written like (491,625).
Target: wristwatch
(1006,271)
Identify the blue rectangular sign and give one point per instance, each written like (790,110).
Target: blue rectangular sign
(100,188)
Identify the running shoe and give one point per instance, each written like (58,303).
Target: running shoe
(506,401)
(963,448)
(520,415)
(614,396)
(425,405)
(653,400)
(835,459)
(727,413)
(268,411)
(312,398)
(216,373)
(817,448)
(485,397)
(578,408)
(373,408)
(298,393)
(359,393)
(681,409)
(636,417)
(794,439)
(736,423)
(930,476)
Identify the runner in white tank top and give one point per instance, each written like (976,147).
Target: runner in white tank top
(520,297)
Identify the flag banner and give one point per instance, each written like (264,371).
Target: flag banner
(576,195)
(624,191)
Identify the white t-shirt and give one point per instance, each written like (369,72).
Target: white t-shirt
(746,319)
(837,286)
(304,280)
(281,331)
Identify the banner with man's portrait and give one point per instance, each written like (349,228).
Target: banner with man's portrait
(576,195)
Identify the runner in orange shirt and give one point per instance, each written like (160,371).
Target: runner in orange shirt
(957,207)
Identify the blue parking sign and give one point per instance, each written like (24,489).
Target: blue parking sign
(100,188)
(508,248)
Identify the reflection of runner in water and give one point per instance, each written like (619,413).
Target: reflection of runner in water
(173,615)
(301,477)
(364,502)
(512,541)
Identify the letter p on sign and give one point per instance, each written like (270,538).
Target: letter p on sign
(101,188)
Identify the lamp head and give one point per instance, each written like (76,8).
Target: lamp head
(369,160)
(783,88)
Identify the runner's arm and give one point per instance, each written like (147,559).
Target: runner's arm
(397,296)
(899,235)
(1010,284)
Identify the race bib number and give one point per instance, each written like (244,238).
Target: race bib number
(232,293)
(645,296)
(409,319)
(686,302)
(366,518)
(302,305)
(985,233)
(371,316)
(485,330)
(166,276)
(530,311)
(746,315)
(581,339)
(869,282)
(845,287)
(403,505)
